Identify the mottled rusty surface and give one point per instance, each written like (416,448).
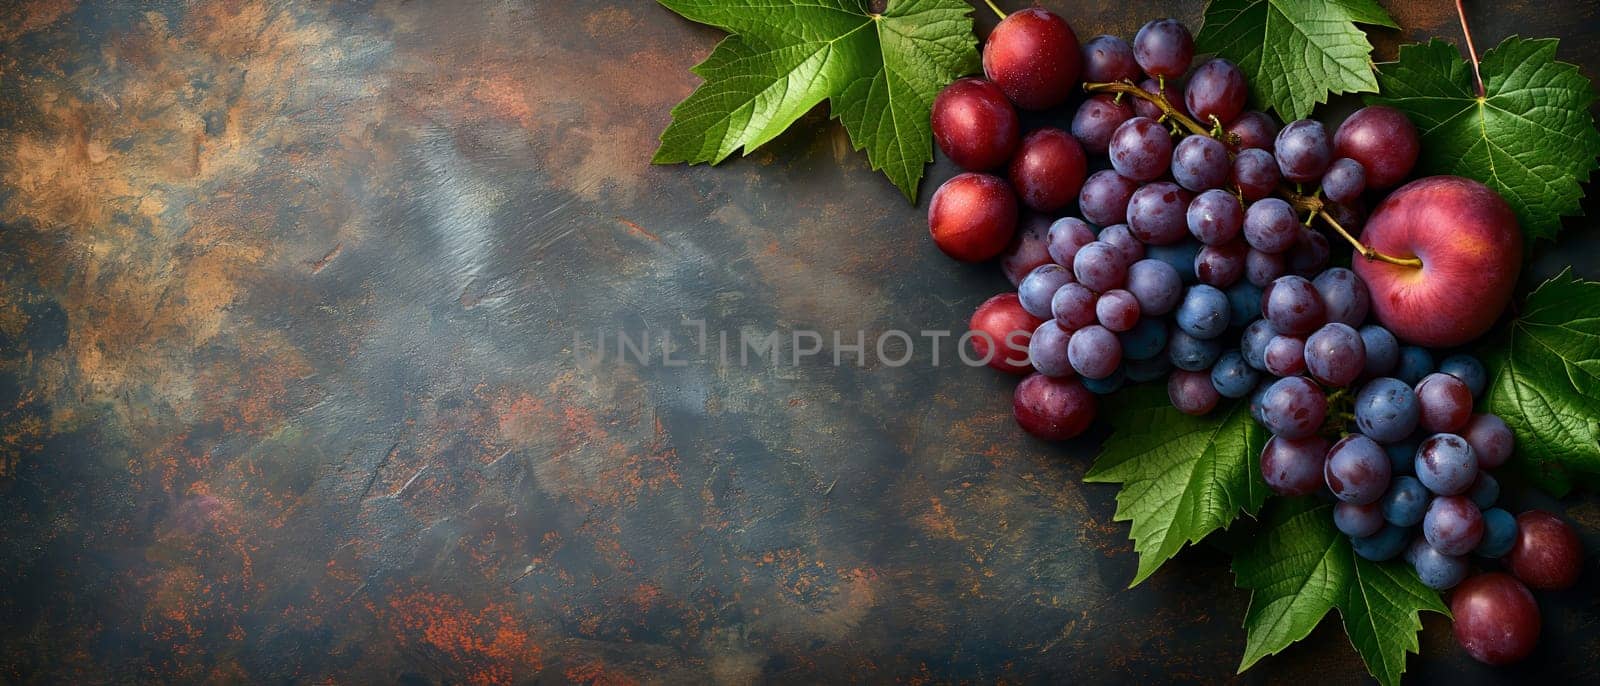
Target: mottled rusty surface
(290,394)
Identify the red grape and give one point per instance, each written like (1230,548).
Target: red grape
(1096,119)
(1034,57)
(1445,401)
(972,216)
(1048,169)
(1066,236)
(1108,58)
(1254,130)
(1163,48)
(1292,304)
(975,125)
(1117,310)
(1255,173)
(1453,524)
(1192,392)
(1284,355)
(1496,618)
(1141,149)
(1294,466)
(1216,90)
(1547,554)
(1003,329)
(1221,265)
(1104,198)
(1490,438)
(1383,140)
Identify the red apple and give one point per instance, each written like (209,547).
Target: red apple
(972,216)
(1000,333)
(1471,250)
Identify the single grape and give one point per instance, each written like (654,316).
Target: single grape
(1004,327)
(1437,570)
(1386,410)
(1270,225)
(1140,149)
(1029,248)
(1065,237)
(1120,237)
(1258,410)
(1303,151)
(1284,355)
(972,216)
(1147,339)
(1446,464)
(1262,268)
(1499,533)
(1094,352)
(1293,467)
(1180,256)
(1453,525)
(1403,454)
(1469,370)
(975,125)
(1117,310)
(1383,140)
(1104,197)
(1355,520)
(1445,403)
(1140,371)
(1335,354)
(1255,173)
(1253,344)
(1107,385)
(1191,392)
(1048,169)
(1415,363)
(1096,119)
(1156,285)
(1191,354)
(1073,306)
(1383,350)
(1293,306)
(1034,57)
(1222,266)
(1200,163)
(1108,58)
(1547,554)
(1244,303)
(1384,545)
(1357,470)
(1099,266)
(1047,350)
(1406,501)
(1344,295)
(1203,312)
(1052,409)
(1309,254)
(1496,619)
(1169,93)
(1214,217)
(1216,92)
(1232,377)
(1294,408)
(1163,48)
(1254,130)
(1490,438)
(1484,491)
(1344,181)
(1039,287)
(1158,213)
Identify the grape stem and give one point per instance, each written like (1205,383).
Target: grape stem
(992,6)
(1461,12)
(1312,205)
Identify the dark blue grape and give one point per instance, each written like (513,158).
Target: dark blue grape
(1192,354)
(1303,150)
(1108,385)
(1383,350)
(1203,312)
(1335,354)
(1386,409)
(1403,454)
(1415,363)
(1384,545)
(1140,371)
(1485,491)
(1437,570)
(1145,340)
(1405,502)
(1244,303)
(1232,377)
(1156,285)
(1253,344)
(1039,286)
(1180,256)
(1499,533)
(1446,464)
(1344,181)
(1453,525)
(1469,370)
(1344,295)
(1294,408)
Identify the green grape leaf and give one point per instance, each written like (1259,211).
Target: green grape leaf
(1301,567)
(879,72)
(1182,477)
(1531,137)
(1294,53)
(1545,381)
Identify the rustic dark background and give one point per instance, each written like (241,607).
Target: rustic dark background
(288,389)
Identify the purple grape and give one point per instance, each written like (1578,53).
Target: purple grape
(1232,376)
(1437,570)
(1294,408)
(1147,339)
(1453,525)
(1191,392)
(1039,286)
(1200,163)
(1344,294)
(1029,248)
(1445,401)
(1216,92)
(1284,355)
(1108,58)
(1355,520)
(1253,344)
(1499,533)
(1156,285)
(1406,501)
(1255,173)
(1066,236)
(1254,130)
(1163,48)
(1150,110)
(1357,470)
(1073,306)
(1047,350)
(1309,254)
(1141,149)
(1203,312)
(1293,306)
(1386,410)
(1344,181)
(1270,225)
(1094,352)
(1293,467)
(1446,464)
(1119,237)
(1303,151)
(1261,268)
(1158,213)
(1117,310)
(1097,119)
(1383,350)
(1490,438)
(1189,353)
(1104,197)
(1099,266)
(1222,266)
(1215,217)
(1335,354)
